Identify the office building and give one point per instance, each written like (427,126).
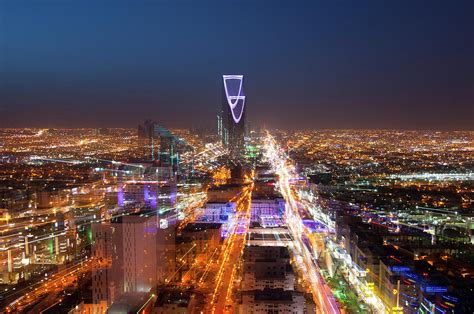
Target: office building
(133,256)
(231,123)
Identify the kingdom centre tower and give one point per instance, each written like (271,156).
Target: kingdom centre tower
(231,122)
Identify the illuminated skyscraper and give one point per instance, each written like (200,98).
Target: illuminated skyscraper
(163,146)
(232,120)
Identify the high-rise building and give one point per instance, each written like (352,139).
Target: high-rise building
(133,254)
(162,145)
(231,123)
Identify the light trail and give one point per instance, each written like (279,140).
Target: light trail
(286,173)
(208,266)
(114,162)
(234,241)
(40,288)
(66,161)
(194,200)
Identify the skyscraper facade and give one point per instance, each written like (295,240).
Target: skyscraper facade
(161,144)
(231,123)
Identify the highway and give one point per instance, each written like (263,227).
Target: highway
(233,246)
(305,257)
(46,290)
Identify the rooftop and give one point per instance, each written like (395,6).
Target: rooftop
(201,226)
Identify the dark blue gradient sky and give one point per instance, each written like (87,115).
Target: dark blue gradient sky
(307,64)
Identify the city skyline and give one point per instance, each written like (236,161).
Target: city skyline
(235,157)
(364,66)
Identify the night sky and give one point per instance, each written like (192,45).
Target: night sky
(307,64)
